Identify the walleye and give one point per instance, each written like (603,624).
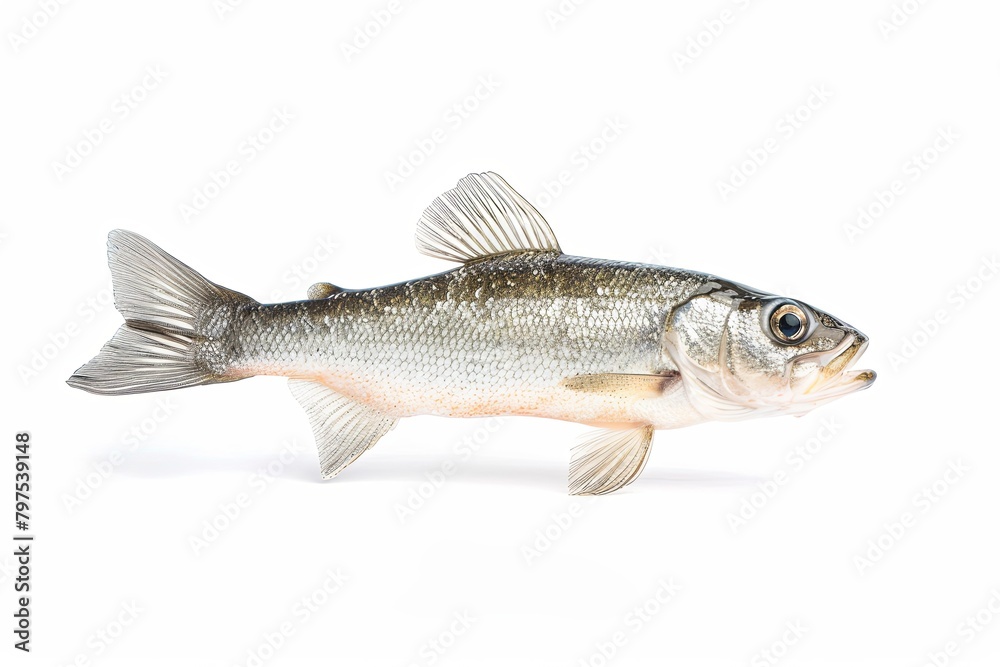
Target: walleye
(518,329)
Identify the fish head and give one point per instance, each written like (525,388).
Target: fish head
(743,353)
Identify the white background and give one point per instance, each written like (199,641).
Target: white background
(651,193)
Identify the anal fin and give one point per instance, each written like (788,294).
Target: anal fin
(609,460)
(344,429)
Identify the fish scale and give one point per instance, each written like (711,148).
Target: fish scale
(467,342)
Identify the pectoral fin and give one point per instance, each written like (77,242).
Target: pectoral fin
(623,384)
(344,429)
(609,460)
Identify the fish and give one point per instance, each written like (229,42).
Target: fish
(517,328)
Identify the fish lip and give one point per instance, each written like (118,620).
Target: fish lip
(835,377)
(847,382)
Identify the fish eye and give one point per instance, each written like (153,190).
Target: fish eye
(789,323)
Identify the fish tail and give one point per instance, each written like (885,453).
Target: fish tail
(178,325)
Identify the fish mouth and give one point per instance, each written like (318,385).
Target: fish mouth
(821,376)
(810,380)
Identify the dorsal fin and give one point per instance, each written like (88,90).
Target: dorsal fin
(481,217)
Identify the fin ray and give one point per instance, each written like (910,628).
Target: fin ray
(481,217)
(623,384)
(609,460)
(344,429)
(171,314)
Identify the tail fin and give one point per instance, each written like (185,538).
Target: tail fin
(175,331)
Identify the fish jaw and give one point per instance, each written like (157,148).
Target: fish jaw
(834,377)
(816,378)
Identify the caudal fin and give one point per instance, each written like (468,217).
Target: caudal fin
(176,324)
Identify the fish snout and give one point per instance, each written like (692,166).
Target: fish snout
(835,376)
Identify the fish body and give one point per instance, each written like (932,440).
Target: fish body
(495,337)
(520,328)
